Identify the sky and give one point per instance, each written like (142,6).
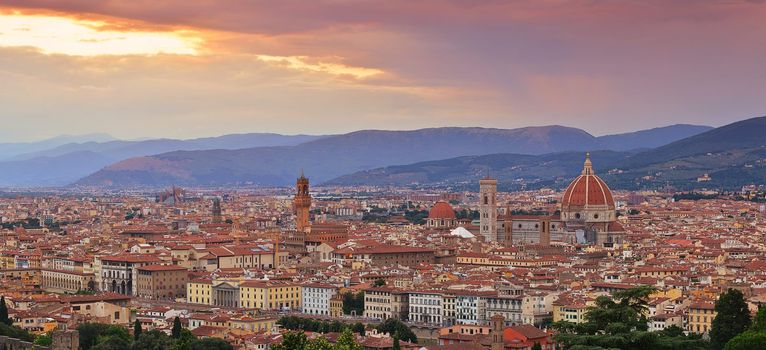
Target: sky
(192,68)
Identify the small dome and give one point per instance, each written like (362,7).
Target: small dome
(587,190)
(441,210)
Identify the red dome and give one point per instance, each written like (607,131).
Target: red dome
(441,210)
(587,190)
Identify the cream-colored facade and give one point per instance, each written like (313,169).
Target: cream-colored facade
(199,292)
(266,295)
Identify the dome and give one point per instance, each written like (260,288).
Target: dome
(441,210)
(587,190)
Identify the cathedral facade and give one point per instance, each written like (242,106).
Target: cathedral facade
(588,216)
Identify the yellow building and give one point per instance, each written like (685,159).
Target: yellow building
(253,324)
(570,310)
(199,291)
(700,317)
(336,305)
(266,295)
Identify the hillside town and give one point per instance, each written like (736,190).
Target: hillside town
(454,268)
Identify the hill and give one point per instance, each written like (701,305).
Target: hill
(66,163)
(11,149)
(333,156)
(512,171)
(733,155)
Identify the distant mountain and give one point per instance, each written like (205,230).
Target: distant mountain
(50,171)
(66,163)
(511,170)
(11,149)
(125,149)
(333,156)
(650,138)
(733,155)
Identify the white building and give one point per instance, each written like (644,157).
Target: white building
(316,298)
(426,307)
(470,307)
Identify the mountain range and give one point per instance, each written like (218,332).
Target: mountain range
(329,157)
(63,160)
(732,155)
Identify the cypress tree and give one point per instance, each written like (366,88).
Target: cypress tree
(4,312)
(176,332)
(136,329)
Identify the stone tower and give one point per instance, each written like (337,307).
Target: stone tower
(302,202)
(497,325)
(216,210)
(488,209)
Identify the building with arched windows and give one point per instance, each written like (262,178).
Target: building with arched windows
(587,216)
(441,216)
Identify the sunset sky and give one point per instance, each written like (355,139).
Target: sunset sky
(190,68)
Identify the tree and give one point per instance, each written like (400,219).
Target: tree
(759,321)
(396,345)
(176,332)
(291,341)
(353,303)
(112,343)
(184,341)
(379,282)
(537,346)
(4,312)
(211,344)
(89,334)
(620,323)
(359,328)
(750,340)
(319,344)
(346,341)
(136,329)
(394,326)
(732,318)
(44,340)
(152,340)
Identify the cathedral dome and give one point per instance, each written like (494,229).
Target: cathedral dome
(441,210)
(587,191)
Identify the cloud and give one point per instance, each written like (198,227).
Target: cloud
(303,63)
(603,66)
(62,35)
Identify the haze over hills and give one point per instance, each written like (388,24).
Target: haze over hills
(10,149)
(333,156)
(66,162)
(510,169)
(733,155)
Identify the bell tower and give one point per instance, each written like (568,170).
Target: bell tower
(302,203)
(488,209)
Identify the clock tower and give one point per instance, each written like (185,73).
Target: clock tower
(302,203)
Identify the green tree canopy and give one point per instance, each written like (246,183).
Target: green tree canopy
(153,340)
(211,344)
(750,340)
(393,326)
(732,318)
(620,323)
(346,341)
(759,321)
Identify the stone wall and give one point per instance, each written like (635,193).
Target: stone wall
(17,344)
(62,340)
